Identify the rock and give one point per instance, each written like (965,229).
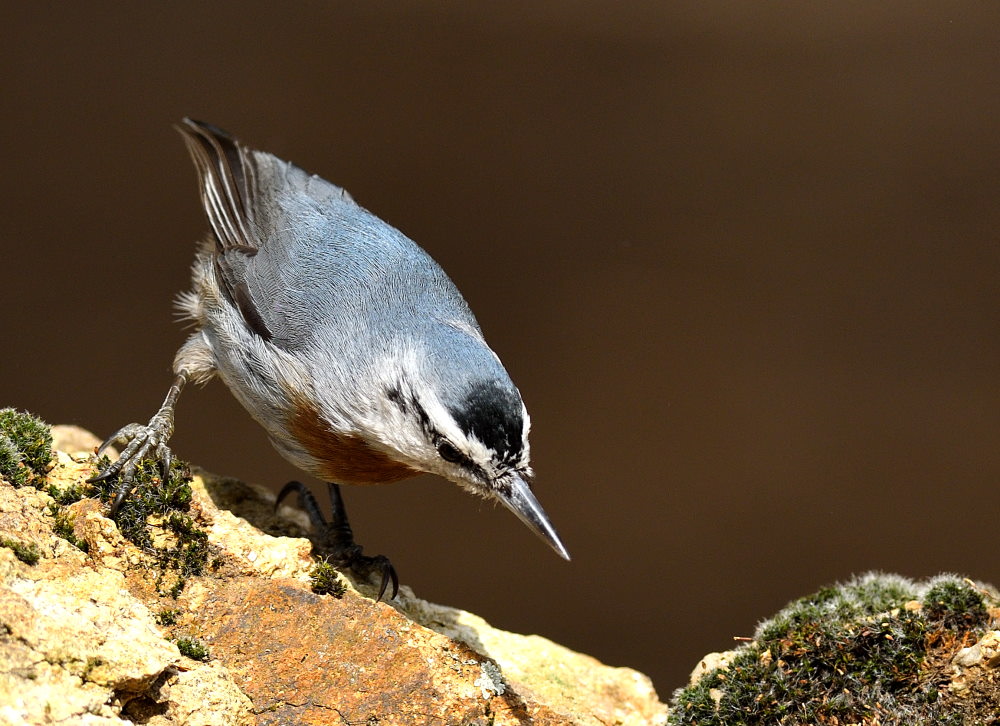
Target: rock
(967,657)
(714,661)
(75,440)
(206,695)
(540,668)
(93,637)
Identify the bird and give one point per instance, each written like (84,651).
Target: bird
(343,339)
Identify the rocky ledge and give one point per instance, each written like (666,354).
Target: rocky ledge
(201,605)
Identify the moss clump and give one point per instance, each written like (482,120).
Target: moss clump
(155,502)
(63,527)
(69,495)
(174,590)
(11,467)
(953,604)
(326,581)
(27,552)
(854,653)
(150,496)
(25,447)
(92,664)
(190,555)
(63,524)
(192,648)
(167,616)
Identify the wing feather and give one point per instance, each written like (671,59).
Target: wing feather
(227,175)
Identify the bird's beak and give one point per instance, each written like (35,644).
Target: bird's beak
(522,502)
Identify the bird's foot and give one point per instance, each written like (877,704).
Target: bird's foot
(338,540)
(365,566)
(141,443)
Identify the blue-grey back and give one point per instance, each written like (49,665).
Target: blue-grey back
(326,266)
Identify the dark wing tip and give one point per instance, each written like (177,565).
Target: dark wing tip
(202,127)
(210,139)
(226,176)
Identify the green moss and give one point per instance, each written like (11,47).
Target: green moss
(167,616)
(847,654)
(92,663)
(954,604)
(27,552)
(63,524)
(157,503)
(192,648)
(69,495)
(11,467)
(150,495)
(25,447)
(190,555)
(176,589)
(326,581)
(63,527)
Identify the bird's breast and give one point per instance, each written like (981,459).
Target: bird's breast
(339,457)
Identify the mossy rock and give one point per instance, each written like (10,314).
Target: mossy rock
(871,651)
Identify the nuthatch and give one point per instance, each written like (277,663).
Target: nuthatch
(343,339)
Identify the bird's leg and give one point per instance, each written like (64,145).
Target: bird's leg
(142,442)
(338,538)
(347,553)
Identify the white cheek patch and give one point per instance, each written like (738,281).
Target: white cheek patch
(526,451)
(389,420)
(401,413)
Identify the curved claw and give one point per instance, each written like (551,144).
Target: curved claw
(363,566)
(120,435)
(123,491)
(388,571)
(166,457)
(306,500)
(104,475)
(292,486)
(130,433)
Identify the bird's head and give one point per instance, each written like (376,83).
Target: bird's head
(453,411)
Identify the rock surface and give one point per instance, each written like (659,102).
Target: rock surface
(92,637)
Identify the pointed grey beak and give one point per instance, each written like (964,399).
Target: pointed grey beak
(522,502)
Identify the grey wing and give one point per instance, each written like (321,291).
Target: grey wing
(296,255)
(241,191)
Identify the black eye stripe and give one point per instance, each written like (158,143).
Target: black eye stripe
(450,453)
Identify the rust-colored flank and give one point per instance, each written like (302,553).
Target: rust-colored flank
(339,458)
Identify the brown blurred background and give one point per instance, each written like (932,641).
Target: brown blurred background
(742,261)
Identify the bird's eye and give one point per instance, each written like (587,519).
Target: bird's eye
(449,452)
